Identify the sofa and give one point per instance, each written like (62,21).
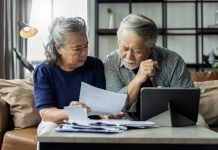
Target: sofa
(18,115)
(19,118)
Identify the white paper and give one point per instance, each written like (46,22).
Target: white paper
(89,128)
(124,122)
(104,126)
(77,114)
(100,101)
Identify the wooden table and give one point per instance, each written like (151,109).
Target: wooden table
(191,137)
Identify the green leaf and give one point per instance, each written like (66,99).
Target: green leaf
(215,65)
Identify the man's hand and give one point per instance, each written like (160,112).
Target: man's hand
(119,115)
(146,69)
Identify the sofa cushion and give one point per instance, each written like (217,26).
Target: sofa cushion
(204,76)
(209,101)
(19,95)
(4,119)
(17,139)
(214,128)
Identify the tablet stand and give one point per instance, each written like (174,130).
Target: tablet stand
(171,118)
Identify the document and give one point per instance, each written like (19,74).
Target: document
(79,122)
(89,128)
(124,122)
(101,102)
(77,114)
(104,126)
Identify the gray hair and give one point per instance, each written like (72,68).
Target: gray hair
(59,29)
(141,25)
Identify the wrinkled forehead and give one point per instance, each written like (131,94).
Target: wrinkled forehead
(129,36)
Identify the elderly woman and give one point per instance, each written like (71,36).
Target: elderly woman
(58,79)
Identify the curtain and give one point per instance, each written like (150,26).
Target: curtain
(12,11)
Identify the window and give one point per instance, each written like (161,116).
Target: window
(42,12)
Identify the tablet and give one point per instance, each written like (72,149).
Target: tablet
(169,105)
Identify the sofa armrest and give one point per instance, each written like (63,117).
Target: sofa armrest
(4,118)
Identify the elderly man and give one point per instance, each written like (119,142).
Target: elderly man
(139,63)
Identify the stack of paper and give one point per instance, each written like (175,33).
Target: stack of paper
(90,128)
(104,126)
(124,122)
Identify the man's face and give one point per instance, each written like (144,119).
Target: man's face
(133,49)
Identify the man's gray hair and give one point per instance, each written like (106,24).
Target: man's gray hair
(141,25)
(58,31)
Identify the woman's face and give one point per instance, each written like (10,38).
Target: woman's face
(74,53)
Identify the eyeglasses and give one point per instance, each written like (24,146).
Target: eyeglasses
(134,50)
(80,48)
(126,49)
(77,49)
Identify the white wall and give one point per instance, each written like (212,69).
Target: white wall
(41,17)
(179,15)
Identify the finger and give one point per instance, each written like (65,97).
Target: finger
(120,114)
(103,116)
(73,103)
(114,117)
(156,65)
(83,105)
(150,69)
(88,109)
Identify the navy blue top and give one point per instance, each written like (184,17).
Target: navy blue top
(54,87)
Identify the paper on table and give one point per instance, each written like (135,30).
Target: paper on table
(101,101)
(124,122)
(89,128)
(77,114)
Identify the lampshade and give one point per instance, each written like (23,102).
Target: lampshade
(26,30)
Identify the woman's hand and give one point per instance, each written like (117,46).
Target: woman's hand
(74,103)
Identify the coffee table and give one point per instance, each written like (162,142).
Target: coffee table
(189,137)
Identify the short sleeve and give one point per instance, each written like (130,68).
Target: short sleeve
(43,92)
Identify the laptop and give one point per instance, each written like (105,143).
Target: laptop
(170,106)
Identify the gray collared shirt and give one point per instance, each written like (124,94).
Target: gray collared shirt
(171,72)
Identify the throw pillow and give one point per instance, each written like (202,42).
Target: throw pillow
(19,95)
(209,101)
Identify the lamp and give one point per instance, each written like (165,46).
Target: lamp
(23,60)
(27,30)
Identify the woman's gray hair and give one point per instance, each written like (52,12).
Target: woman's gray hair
(141,25)
(59,29)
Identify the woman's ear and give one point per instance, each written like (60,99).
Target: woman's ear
(58,48)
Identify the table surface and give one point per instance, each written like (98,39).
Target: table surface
(162,135)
